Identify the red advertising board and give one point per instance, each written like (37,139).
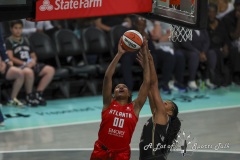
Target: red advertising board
(67,9)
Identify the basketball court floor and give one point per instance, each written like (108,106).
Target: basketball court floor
(67,129)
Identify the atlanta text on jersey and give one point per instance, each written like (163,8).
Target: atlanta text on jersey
(120,114)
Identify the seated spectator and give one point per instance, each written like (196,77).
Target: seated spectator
(219,45)
(231,22)
(22,55)
(224,7)
(196,51)
(8,72)
(158,33)
(29,27)
(47,27)
(163,60)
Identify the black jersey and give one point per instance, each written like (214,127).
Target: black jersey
(21,49)
(152,141)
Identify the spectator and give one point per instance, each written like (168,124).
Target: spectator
(231,23)
(196,51)
(41,26)
(158,33)
(224,7)
(47,27)
(21,53)
(28,27)
(219,45)
(8,72)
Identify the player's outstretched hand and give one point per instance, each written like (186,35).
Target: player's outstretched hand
(140,55)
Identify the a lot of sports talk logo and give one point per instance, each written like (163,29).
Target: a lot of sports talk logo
(186,145)
(69,4)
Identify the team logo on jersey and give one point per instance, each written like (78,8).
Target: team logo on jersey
(46,6)
(128,108)
(162,138)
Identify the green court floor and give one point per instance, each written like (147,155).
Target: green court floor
(88,109)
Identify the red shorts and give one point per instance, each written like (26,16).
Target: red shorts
(100,152)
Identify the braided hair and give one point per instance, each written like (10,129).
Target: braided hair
(173,130)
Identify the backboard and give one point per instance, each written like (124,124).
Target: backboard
(187,13)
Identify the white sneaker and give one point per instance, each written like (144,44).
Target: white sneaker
(15,102)
(171,85)
(192,86)
(209,84)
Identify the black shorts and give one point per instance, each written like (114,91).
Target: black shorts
(3,75)
(38,68)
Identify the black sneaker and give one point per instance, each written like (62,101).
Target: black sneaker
(31,100)
(40,99)
(180,87)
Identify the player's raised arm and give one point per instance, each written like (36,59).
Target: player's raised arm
(155,100)
(154,95)
(143,91)
(107,81)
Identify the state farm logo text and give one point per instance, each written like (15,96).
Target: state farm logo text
(69,4)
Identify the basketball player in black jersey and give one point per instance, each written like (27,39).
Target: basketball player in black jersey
(161,130)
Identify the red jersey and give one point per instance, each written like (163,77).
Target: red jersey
(117,126)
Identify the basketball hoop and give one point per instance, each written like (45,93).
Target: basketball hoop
(182,15)
(179,33)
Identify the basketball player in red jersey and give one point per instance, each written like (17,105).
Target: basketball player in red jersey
(119,113)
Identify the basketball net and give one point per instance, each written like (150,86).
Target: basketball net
(179,33)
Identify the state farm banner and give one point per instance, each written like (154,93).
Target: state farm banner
(67,9)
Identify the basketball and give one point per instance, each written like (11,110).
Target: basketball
(132,40)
